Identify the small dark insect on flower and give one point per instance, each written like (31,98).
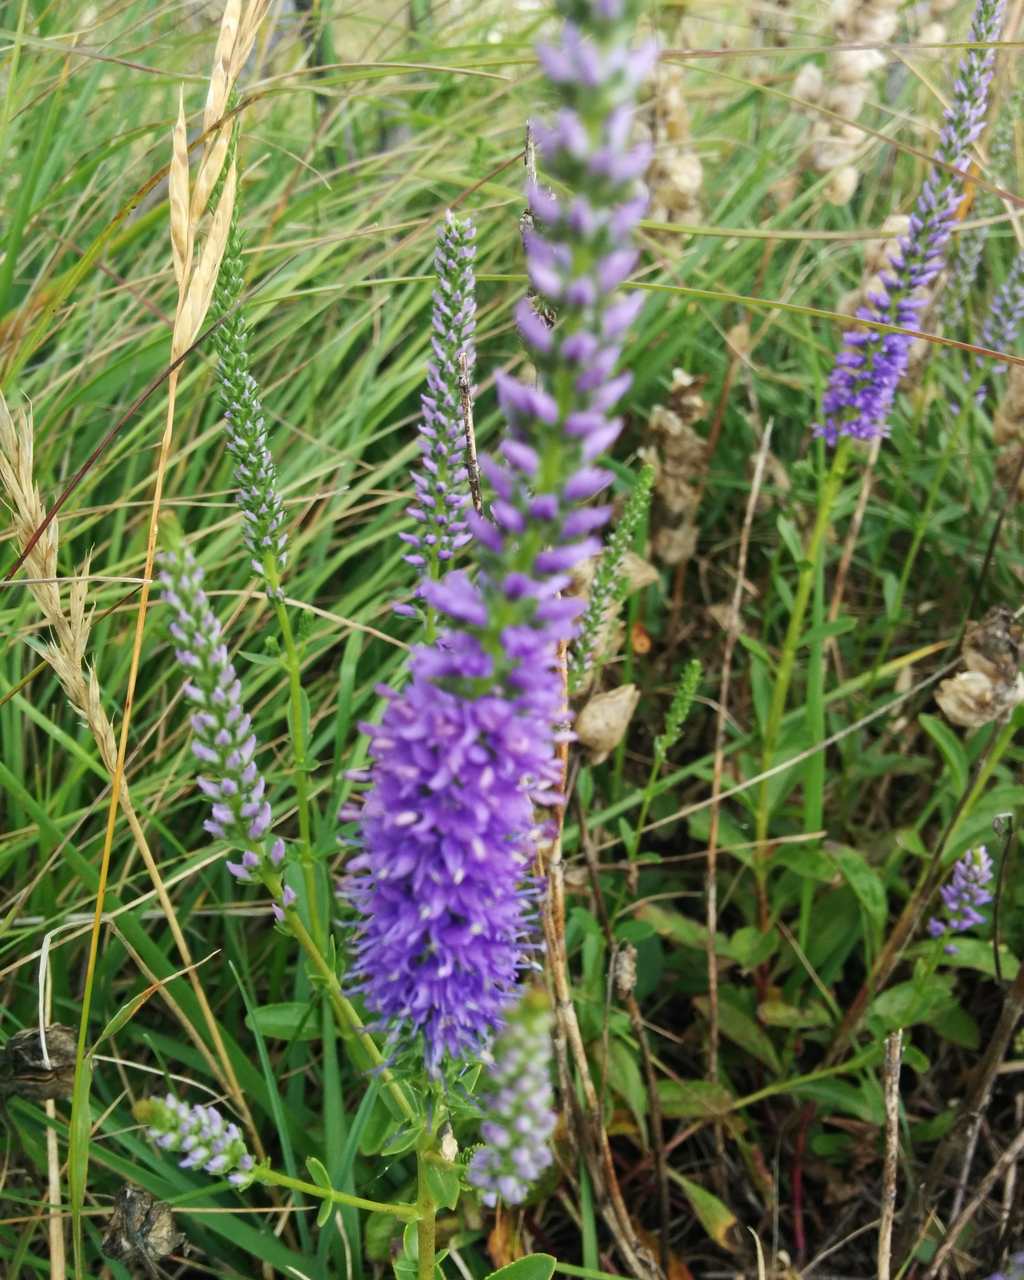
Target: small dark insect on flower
(29,1072)
(141,1230)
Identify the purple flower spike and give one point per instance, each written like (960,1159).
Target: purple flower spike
(206,1139)
(871,364)
(967,890)
(223,737)
(467,751)
(442,485)
(519,1108)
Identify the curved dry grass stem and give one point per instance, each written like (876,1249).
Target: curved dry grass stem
(65,655)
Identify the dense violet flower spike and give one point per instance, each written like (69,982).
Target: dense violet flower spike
(467,750)
(223,738)
(207,1140)
(441,481)
(519,1106)
(255,470)
(967,890)
(447,830)
(868,369)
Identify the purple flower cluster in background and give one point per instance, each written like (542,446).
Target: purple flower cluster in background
(468,748)
(1002,325)
(967,890)
(441,480)
(223,738)
(519,1106)
(1014,1268)
(208,1140)
(869,367)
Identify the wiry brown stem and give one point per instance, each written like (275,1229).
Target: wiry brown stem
(587,1112)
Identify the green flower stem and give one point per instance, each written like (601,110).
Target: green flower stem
(923,522)
(426,1221)
(271,1178)
(784,672)
(928,880)
(348,1019)
(300,775)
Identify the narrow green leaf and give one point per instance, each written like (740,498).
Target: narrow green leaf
(950,748)
(741,1028)
(535,1266)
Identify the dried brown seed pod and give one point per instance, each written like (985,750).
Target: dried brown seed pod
(602,723)
(141,1230)
(624,970)
(968,699)
(31,1070)
(992,685)
(995,646)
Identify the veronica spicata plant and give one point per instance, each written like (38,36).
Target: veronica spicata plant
(223,742)
(519,1107)
(869,367)
(200,1134)
(466,753)
(441,479)
(971,243)
(1002,324)
(968,888)
(258,497)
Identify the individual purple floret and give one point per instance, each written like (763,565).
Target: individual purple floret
(441,481)
(519,1108)
(468,749)
(869,367)
(967,890)
(223,738)
(207,1140)
(1002,325)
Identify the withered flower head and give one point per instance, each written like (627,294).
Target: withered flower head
(141,1230)
(991,686)
(31,1069)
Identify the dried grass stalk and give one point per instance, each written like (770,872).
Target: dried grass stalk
(196,301)
(679,456)
(181,241)
(65,654)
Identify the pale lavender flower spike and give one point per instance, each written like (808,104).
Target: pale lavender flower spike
(869,367)
(467,750)
(223,738)
(205,1138)
(441,481)
(967,890)
(519,1108)
(1002,325)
